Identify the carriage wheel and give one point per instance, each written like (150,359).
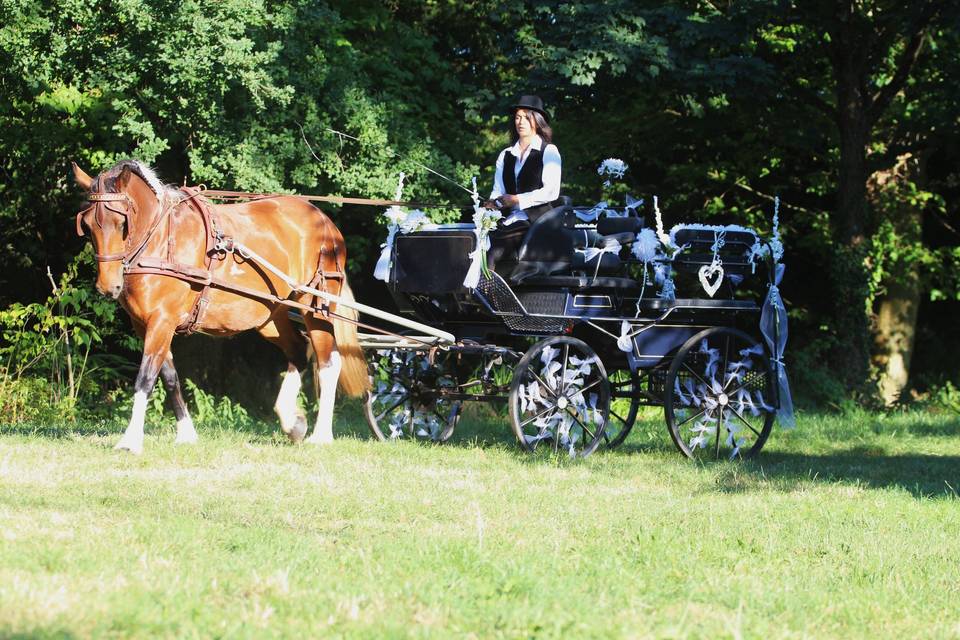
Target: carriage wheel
(560,397)
(624,405)
(405,399)
(719,396)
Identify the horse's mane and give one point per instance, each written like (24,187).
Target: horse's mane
(109,179)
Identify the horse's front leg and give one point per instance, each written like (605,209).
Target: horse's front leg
(156,347)
(186,433)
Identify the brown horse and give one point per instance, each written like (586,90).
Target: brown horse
(178,264)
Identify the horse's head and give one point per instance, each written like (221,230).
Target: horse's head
(120,202)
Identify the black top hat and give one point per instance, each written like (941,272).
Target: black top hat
(531,102)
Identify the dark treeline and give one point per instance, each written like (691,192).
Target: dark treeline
(846,109)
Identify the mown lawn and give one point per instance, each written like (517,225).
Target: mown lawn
(848,526)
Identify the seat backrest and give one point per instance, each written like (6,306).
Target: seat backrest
(698,250)
(547,247)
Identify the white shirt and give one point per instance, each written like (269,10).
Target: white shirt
(550,190)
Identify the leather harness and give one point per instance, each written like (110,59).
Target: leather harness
(217,247)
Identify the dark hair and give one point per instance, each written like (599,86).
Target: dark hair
(543,127)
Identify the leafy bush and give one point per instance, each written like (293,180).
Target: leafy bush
(209,411)
(47,358)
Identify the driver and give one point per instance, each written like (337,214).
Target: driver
(527,178)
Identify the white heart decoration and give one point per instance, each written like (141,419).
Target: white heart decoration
(711,271)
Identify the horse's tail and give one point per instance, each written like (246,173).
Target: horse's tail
(354,377)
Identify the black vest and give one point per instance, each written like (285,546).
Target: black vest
(531,174)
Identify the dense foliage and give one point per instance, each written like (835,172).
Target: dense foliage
(847,110)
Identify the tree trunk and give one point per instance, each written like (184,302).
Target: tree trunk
(850,273)
(896,327)
(897,307)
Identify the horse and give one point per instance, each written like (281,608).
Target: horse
(178,264)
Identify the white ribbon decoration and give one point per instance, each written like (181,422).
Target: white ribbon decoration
(395,215)
(484,221)
(597,252)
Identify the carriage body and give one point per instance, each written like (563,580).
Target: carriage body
(578,286)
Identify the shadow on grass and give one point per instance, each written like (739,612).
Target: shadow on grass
(921,475)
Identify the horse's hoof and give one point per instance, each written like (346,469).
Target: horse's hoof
(299,429)
(130,447)
(186,433)
(318,441)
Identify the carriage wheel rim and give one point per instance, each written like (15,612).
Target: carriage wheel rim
(723,421)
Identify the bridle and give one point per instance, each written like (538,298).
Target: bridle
(101,201)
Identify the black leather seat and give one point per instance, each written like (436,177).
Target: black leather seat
(547,246)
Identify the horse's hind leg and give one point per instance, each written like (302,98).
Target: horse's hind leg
(281,332)
(186,433)
(327,372)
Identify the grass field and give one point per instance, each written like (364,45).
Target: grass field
(848,526)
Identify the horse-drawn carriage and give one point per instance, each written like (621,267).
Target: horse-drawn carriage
(576,325)
(593,315)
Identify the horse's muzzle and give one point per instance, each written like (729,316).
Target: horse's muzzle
(113,291)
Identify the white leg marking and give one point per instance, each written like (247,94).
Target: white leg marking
(323,429)
(186,433)
(132,439)
(291,418)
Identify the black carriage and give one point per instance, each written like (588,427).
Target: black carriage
(575,326)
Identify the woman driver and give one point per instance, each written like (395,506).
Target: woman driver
(527,178)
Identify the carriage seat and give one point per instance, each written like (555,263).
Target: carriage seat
(597,251)
(698,250)
(553,245)
(547,246)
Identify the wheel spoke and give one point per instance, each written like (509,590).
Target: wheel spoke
(723,372)
(549,389)
(394,406)
(744,421)
(582,426)
(719,430)
(591,385)
(696,375)
(693,417)
(539,415)
(533,446)
(726,357)
(563,369)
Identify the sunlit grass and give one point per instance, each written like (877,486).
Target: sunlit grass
(846,526)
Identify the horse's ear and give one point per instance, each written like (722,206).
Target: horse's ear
(123,178)
(81,177)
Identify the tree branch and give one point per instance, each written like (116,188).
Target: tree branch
(770,198)
(880,100)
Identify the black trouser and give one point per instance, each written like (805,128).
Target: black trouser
(505,241)
(505,244)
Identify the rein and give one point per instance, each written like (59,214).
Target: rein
(243,195)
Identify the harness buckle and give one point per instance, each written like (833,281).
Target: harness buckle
(224,244)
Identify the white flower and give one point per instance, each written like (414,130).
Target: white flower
(613,167)
(413,221)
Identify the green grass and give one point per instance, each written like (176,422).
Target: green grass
(845,527)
